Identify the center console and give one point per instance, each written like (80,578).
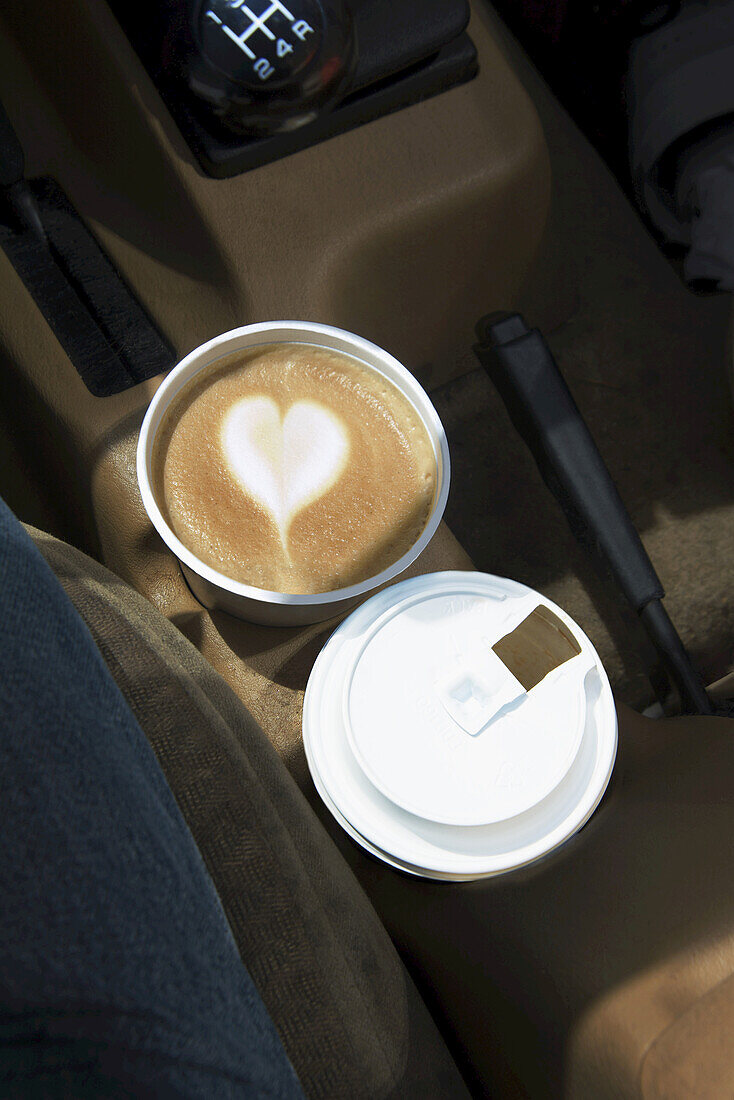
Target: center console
(403,230)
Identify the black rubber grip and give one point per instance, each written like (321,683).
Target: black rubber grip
(541,407)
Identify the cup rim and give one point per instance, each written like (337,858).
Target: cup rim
(349,343)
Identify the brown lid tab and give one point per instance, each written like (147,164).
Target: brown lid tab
(538,645)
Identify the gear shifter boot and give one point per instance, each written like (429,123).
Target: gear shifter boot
(250,81)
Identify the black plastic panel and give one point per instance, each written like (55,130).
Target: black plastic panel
(100,324)
(408,50)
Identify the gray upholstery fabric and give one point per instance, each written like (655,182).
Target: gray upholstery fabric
(349,1016)
(119,975)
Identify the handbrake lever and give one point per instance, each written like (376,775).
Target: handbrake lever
(540,405)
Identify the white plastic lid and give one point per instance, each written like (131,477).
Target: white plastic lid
(431,754)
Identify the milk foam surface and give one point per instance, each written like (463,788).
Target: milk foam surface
(294,468)
(284,462)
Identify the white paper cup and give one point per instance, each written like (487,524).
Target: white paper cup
(213,589)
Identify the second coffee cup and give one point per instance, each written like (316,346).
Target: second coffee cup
(292,468)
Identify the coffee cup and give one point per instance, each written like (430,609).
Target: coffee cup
(214,588)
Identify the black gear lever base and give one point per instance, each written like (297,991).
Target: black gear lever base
(407,52)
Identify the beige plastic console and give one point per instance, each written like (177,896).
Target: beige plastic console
(404,230)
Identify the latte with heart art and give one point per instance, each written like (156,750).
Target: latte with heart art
(294,468)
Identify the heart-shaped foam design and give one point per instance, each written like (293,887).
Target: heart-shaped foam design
(284,463)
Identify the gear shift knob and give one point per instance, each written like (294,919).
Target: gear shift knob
(269,65)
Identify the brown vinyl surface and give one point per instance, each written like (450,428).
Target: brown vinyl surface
(556,981)
(692,1057)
